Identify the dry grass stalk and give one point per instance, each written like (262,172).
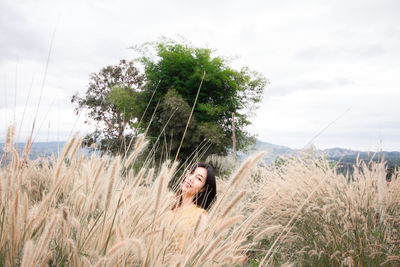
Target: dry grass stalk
(27,254)
(40,252)
(9,144)
(229,222)
(77,145)
(116,248)
(150,175)
(268,231)
(233,203)
(210,248)
(245,169)
(113,174)
(139,146)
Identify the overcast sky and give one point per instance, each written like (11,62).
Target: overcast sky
(333,66)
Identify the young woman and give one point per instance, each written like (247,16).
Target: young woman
(198,188)
(195,196)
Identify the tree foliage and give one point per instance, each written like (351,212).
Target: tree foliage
(118,96)
(176,72)
(112,102)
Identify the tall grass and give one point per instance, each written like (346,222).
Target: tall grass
(322,218)
(95,211)
(79,210)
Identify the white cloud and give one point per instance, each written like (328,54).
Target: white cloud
(321,57)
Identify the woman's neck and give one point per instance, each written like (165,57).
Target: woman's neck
(187,201)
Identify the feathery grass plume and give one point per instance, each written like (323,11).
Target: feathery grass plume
(43,206)
(91,232)
(159,194)
(139,146)
(245,168)
(14,221)
(27,254)
(129,175)
(229,222)
(150,175)
(268,231)
(27,149)
(98,172)
(179,263)
(139,247)
(139,177)
(233,203)
(120,233)
(36,230)
(15,160)
(9,144)
(214,256)
(196,227)
(113,174)
(85,261)
(46,259)
(80,161)
(77,145)
(58,169)
(173,169)
(111,231)
(39,254)
(4,233)
(139,142)
(243,229)
(229,259)
(116,248)
(100,262)
(161,185)
(68,147)
(210,248)
(65,213)
(25,207)
(136,182)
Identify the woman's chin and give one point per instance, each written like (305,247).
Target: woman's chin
(186,191)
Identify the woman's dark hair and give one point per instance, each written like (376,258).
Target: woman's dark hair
(205,198)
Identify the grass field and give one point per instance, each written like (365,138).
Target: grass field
(77,210)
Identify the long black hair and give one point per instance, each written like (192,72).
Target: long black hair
(206,196)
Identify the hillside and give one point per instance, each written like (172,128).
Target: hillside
(39,149)
(345,156)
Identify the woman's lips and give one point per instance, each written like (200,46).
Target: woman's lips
(188,184)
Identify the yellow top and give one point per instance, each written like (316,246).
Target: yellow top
(185,219)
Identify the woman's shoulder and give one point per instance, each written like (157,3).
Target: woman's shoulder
(200,210)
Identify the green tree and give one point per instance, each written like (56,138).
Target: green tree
(113,103)
(176,72)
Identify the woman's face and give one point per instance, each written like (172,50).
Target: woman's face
(194,182)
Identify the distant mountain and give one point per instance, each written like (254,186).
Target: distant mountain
(273,151)
(39,149)
(338,152)
(345,156)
